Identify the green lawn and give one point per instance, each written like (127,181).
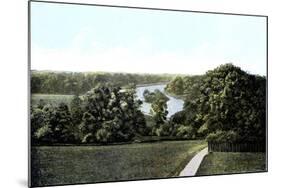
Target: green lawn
(51,98)
(232,162)
(83,164)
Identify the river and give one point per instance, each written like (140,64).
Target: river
(174,105)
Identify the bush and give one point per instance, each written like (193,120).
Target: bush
(186,132)
(223,137)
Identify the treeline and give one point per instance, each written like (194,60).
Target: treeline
(102,115)
(226,105)
(79,83)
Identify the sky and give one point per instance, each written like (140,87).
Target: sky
(81,38)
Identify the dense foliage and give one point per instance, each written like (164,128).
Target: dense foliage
(159,113)
(184,124)
(151,97)
(187,86)
(79,83)
(111,115)
(51,124)
(225,105)
(232,105)
(102,115)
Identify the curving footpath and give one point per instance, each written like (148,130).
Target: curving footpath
(194,164)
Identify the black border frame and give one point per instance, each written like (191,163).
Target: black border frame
(144,8)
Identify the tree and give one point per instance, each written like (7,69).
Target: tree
(176,86)
(188,86)
(42,132)
(61,124)
(232,100)
(159,112)
(37,121)
(57,125)
(183,123)
(111,115)
(150,97)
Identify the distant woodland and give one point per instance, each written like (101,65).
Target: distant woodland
(226,104)
(79,83)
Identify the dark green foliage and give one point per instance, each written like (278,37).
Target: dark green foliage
(37,120)
(76,110)
(150,97)
(41,104)
(226,105)
(184,124)
(60,124)
(111,115)
(184,131)
(159,113)
(52,125)
(232,105)
(42,132)
(223,136)
(102,115)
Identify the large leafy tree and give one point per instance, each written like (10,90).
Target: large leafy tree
(56,126)
(110,115)
(232,105)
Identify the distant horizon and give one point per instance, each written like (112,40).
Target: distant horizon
(67,37)
(139,73)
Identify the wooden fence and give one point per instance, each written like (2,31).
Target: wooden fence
(236,147)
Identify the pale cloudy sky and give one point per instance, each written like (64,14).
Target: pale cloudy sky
(90,38)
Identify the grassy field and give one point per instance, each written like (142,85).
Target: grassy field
(83,164)
(53,99)
(232,162)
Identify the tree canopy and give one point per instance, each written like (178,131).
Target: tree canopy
(232,104)
(226,104)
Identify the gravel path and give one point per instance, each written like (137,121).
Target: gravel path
(193,165)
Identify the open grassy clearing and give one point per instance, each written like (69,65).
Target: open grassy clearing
(83,164)
(51,99)
(232,162)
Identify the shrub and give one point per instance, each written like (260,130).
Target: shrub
(223,137)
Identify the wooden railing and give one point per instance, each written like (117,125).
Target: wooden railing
(236,147)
